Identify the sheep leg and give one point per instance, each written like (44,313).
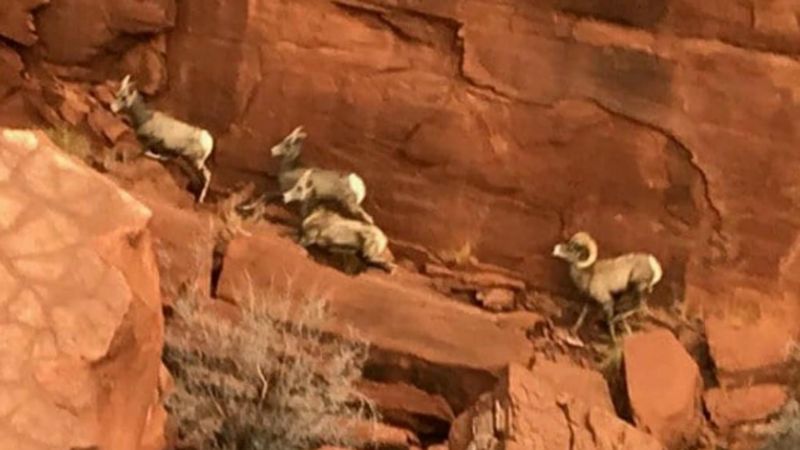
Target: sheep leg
(627,327)
(150,154)
(357,211)
(206,175)
(581,318)
(608,309)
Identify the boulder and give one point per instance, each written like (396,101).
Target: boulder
(729,407)
(184,246)
(103,22)
(585,384)
(751,349)
(16,21)
(524,412)
(664,387)
(406,406)
(82,330)
(417,335)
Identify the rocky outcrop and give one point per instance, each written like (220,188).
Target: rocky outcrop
(587,385)
(664,387)
(747,349)
(103,26)
(525,412)
(621,120)
(16,21)
(83,329)
(406,406)
(416,334)
(748,404)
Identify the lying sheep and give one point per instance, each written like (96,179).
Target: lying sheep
(346,190)
(164,136)
(331,231)
(606,280)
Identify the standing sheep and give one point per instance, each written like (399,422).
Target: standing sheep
(606,280)
(345,190)
(164,136)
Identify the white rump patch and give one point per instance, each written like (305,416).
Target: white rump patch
(206,142)
(656,268)
(26,138)
(357,185)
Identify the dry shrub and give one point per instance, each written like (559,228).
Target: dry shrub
(264,382)
(785,431)
(71,141)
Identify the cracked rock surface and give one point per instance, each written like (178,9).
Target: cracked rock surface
(506,125)
(81,328)
(527,412)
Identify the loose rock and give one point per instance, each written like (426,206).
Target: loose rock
(747,404)
(664,387)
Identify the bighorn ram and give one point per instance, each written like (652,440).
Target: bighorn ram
(607,279)
(345,190)
(164,136)
(329,230)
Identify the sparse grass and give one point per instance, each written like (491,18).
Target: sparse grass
(264,381)
(785,433)
(72,142)
(232,220)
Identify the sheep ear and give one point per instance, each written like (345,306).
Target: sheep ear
(126,81)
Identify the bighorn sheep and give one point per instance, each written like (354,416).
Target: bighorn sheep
(164,136)
(329,230)
(346,190)
(607,279)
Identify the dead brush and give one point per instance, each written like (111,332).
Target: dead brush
(264,381)
(783,433)
(72,142)
(232,219)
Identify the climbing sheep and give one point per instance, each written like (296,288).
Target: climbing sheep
(605,280)
(164,136)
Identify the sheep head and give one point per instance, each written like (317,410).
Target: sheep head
(580,250)
(302,189)
(291,144)
(125,95)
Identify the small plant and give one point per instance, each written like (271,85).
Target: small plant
(269,380)
(72,142)
(786,429)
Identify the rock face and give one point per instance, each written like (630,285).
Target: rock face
(507,125)
(748,404)
(753,349)
(623,121)
(524,412)
(16,21)
(447,348)
(664,387)
(82,329)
